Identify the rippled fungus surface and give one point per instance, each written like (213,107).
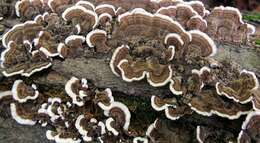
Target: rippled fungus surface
(168,43)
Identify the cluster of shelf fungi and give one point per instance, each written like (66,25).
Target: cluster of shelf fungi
(167,43)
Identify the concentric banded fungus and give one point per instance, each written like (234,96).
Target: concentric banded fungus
(58,6)
(98,38)
(89,128)
(155,45)
(190,44)
(250,129)
(239,90)
(118,113)
(53,109)
(72,47)
(77,90)
(21,32)
(21,117)
(175,113)
(17,60)
(157,74)
(106,13)
(139,22)
(105,8)
(45,43)
(181,13)
(86,4)
(176,86)
(126,5)
(160,104)
(21,92)
(198,6)
(172,109)
(82,18)
(256,99)
(104,20)
(225,24)
(28,8)
(152,131)
(202,42)
(62,137)
(208,103)
(199,79)
(119,54)
(197,22)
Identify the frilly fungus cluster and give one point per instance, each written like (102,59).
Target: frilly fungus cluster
(168,43)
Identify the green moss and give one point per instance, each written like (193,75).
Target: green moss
(257,42)
(252,17)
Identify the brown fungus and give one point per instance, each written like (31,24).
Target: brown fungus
(46,44)
(20,116)
(22,32)
(89,128)
(22,92)
(72,48)
(250,130)
(225,24)
(256,99)
(197,23)
(118,114)
(88,5)
(239,90)
(198,6)
(156,73)
(58,6)
(173,110)
(17,60)
(105,8)
(62,137)
(82,18)
(77,90)
(176,86)
(97,38)
(28,8)
(208,102)
(139,22)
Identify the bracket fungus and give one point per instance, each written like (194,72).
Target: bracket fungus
(21,117)
(72,47)
(16,59)
(22,32)
(82,18)
(208,103)
(250,128)
(58,5)
(21,92)
(118,114)
(62,137)
(239,90)
(256,100)
(28,8)
(98,38)
(46,44)
(169,43)
(89,128)
(77,90)
(173,110)
(226,24)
